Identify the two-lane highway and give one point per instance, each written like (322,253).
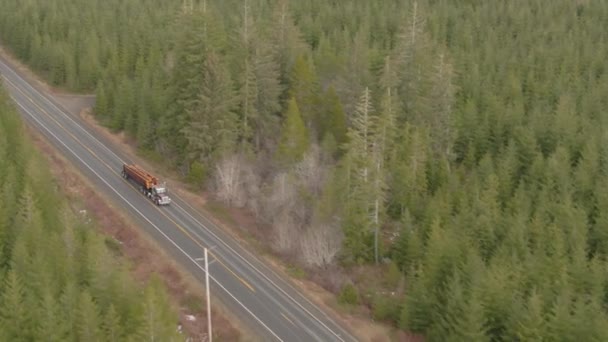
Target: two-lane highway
(264,301)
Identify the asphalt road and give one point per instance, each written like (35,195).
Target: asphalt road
(266,303)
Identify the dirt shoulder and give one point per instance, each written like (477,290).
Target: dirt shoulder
(231,220)
(144,256)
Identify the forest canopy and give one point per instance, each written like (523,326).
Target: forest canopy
(462,141)
(58,279)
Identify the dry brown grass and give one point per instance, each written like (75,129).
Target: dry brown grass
(321,286)
(146,258)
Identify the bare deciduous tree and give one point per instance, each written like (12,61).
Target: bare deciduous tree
(250,174)
(228,182)
(281,196)
(321,244)
(285,232)
(310,172)
(236,182)
(279,208)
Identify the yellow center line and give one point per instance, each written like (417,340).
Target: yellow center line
(187,233)
(287,318)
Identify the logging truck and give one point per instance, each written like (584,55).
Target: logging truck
(148,184)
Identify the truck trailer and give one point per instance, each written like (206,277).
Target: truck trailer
(148,184)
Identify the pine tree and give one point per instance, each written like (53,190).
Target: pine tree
(145,129)
(68,300)
(383,132)
(87,318)
(89,65)
(4,219)
(304,87)
(356,75)
(531,326)
(156,314)
(269,91)
(13,311)
(408,168)
(101,100)
(58,67)
(560,320)
(327,60)
(111,325)
(441,124)
(71,68)
(408,249)
(123,116)
(412,58)
(185,84)
(359,215)
(294,140)
(286,38)
(212,128)
(245,66)
(51,326)
(471,325)
(417,310)
(461,315)
(131,106)
(333,122)
(248,104)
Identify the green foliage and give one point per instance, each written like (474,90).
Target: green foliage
(349,295)
(393,276)
(303,87)
(111,325)
(296,272)
(197,173)
(59,281)
(294,141)
(333,121)
(193,302)
(212,124)
(385,308)
(14,314)
(476,153)
(88,323)
(101,101)
(156,312)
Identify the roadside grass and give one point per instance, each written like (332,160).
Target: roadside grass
(221,212)
(296,271)
(193,303)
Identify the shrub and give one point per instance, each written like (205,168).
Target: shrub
(197,174)
(348,295)
(386,308)
(392,276)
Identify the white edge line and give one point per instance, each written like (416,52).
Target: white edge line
(142,215)
(270,280)
(202,225)
(196,220)
(197,231)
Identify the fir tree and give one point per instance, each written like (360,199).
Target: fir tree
(294,141)
(304,88)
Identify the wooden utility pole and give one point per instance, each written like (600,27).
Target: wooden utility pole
(208,298)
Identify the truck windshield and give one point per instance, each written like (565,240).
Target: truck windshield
(161,190)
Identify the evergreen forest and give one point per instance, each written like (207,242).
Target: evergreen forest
(462,143)
(58,279)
